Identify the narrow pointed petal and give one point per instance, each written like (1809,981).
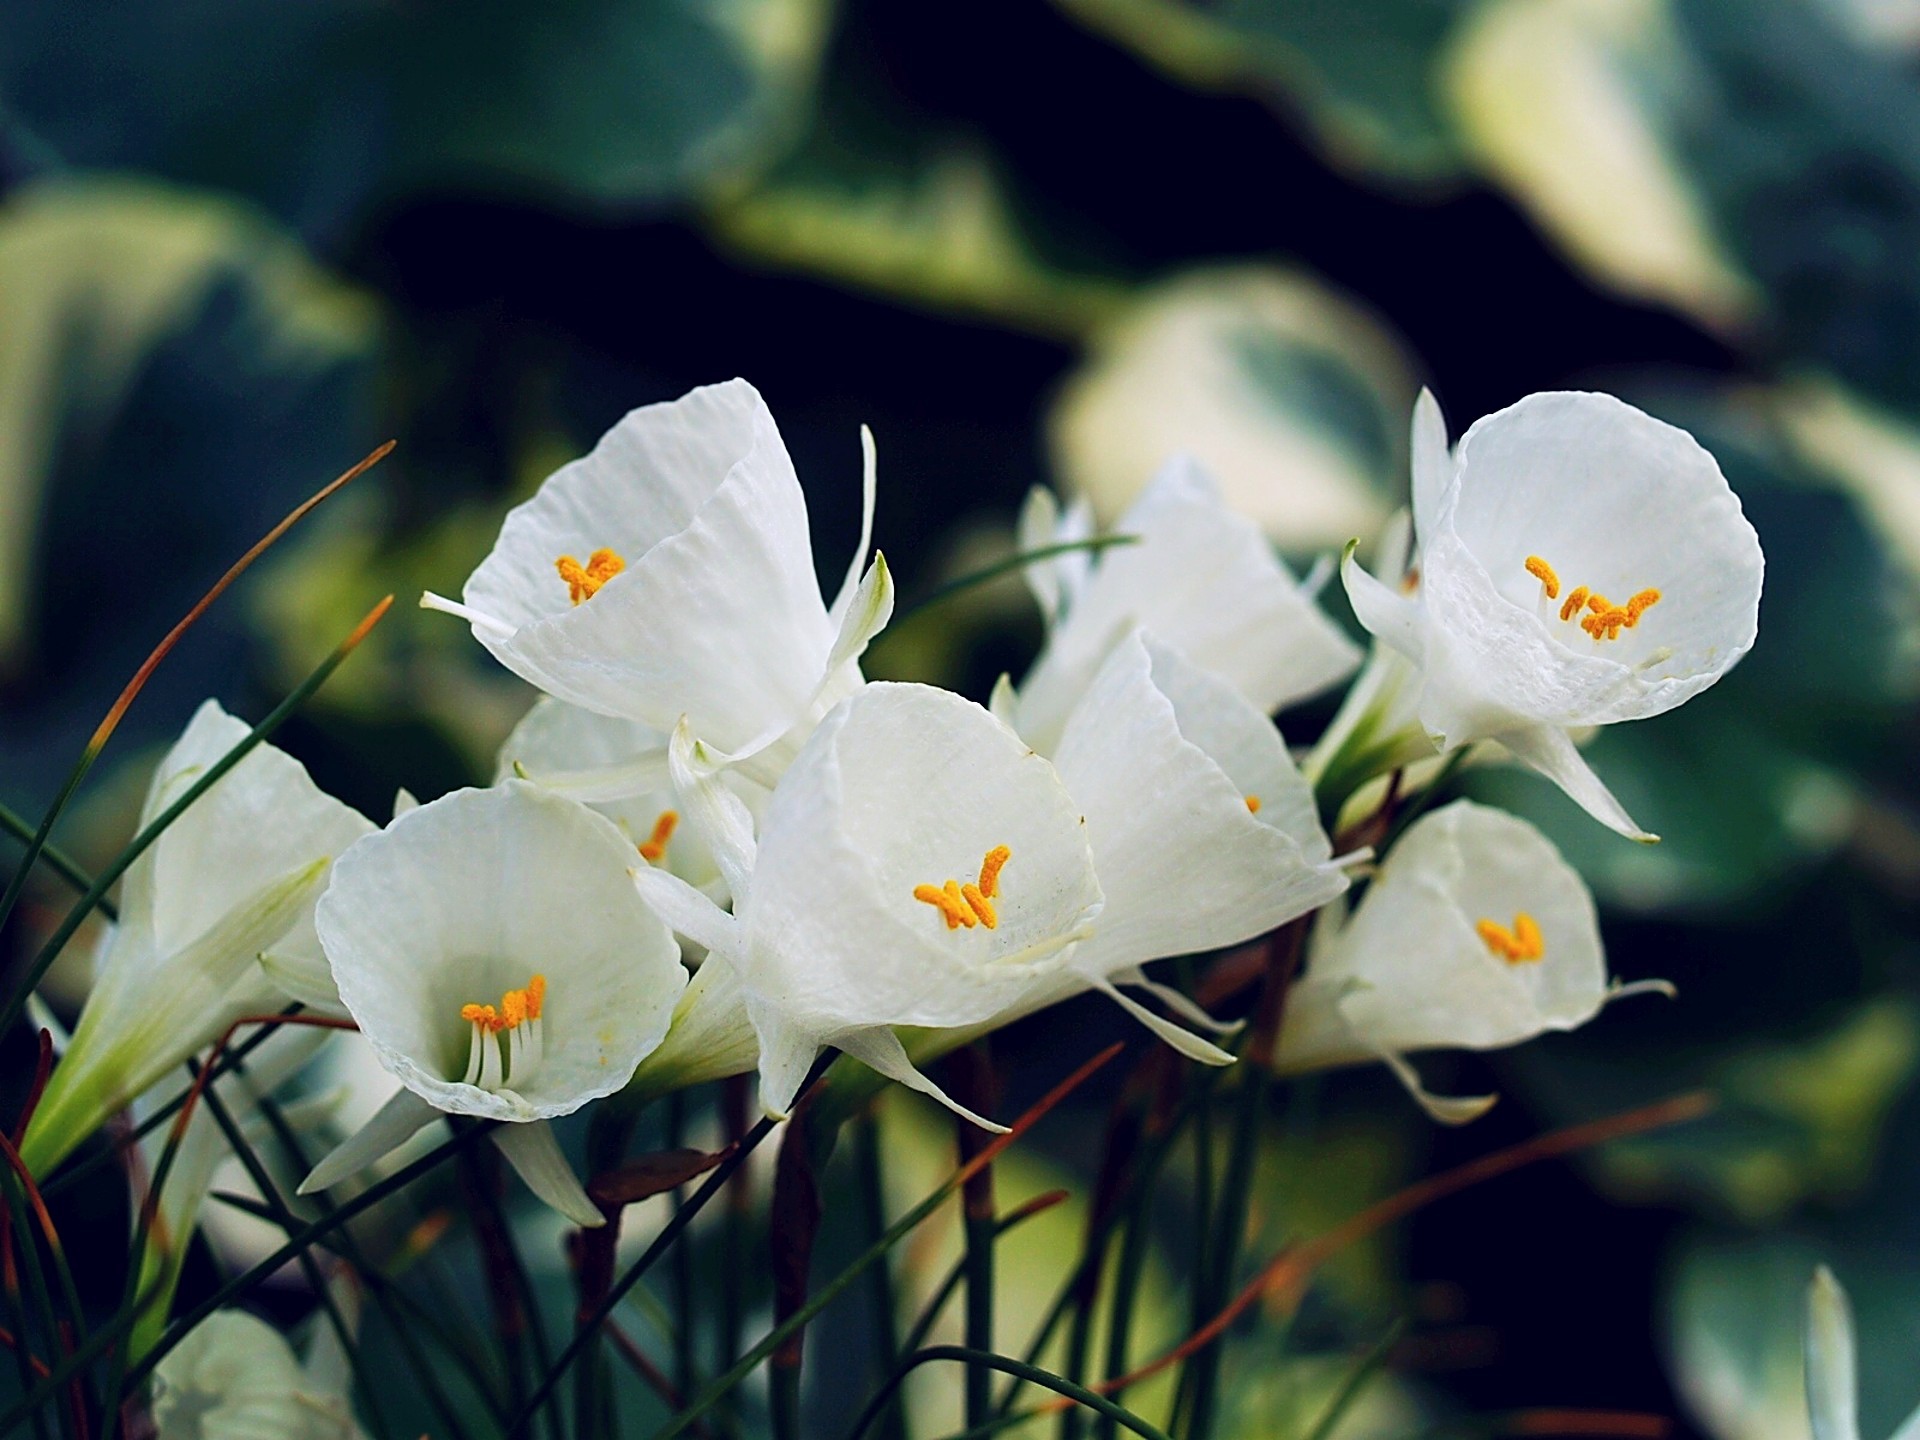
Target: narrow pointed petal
(1004,703)
(880,1049)
(686,911)
(1178,1002)
(1446,1109)
(1185,1041)
(396,1122)
(1432,461)
(1909,1428)
(1039,527)
(869,489)
(1832,1381)
(298,969)
(720,816)
(1551,751)
(786,1055)
(1383,610)
(534,1154)
(866,615)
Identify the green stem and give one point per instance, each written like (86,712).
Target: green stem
(213,774)
(56,860)
(1356,1381)
(880,1294)
(1011,563)
(1201,1377)
(42,1299)
(1031,1374)
(1126,1284)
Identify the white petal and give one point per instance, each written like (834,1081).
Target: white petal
(395,1123)
(880,1049)
(869,490)
(472,895)
(869,609)
(1446,1109)
(1909,1428)
(904,786)
(298,969)
(687,911)
(1432,462)
(1384,611)
(1039,527)
(717,613)
(1185,1041)
(718,816)
(1184,863)
(786,1055)
(1178,1002)
(1832,1384)
(1004,703)
(535,1156)
(232,1378)
(712,1035)
(1551,751)
(1204,580)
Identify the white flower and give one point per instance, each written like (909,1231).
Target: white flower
(494,955)
(670,573)
(917,865)
(1581,563)
(235,1378)
(562,747)
(1832,1370)
(1201,578)
(1474,935)
(239,869)
(1203,832)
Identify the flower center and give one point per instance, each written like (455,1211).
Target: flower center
(509,1041)
(969,904)
(654,847)
(1602,619)
(584,581)
(1521,944)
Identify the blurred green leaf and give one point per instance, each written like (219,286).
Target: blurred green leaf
(1360,72)
(316,109)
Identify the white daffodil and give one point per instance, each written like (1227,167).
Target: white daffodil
(236,1378)
(239,869)
(918,865)
(562,747)
(1474,935)
(1832,1370)
(493,953)
(1580,563)
(1203,832)
(1201,578)
(669,573)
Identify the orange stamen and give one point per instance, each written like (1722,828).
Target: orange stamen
(655,845)
(584,581)
(1543,572)
(1574,602)
(516,1008)
(969,905)
(1639,605)
(1522,943)
(1253,804)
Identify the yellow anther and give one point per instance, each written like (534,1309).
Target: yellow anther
(655,845)
(990,865)
(1574,602)
(1521,944)
(949,907)
(1543,572)
(516,1008)
(1253,804)
(969,905)
(584,581)
(1639,605)
(980,905)
(1598,603)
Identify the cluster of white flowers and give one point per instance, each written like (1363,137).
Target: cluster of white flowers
(715,846)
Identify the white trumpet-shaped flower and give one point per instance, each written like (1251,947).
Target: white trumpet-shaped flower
(917,865)
(670,573)
(1475,935)
(493,953)
(241,867)
(1204,834)
(1580,563)
(1200,577)
(236,1378)
(1833,1379)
